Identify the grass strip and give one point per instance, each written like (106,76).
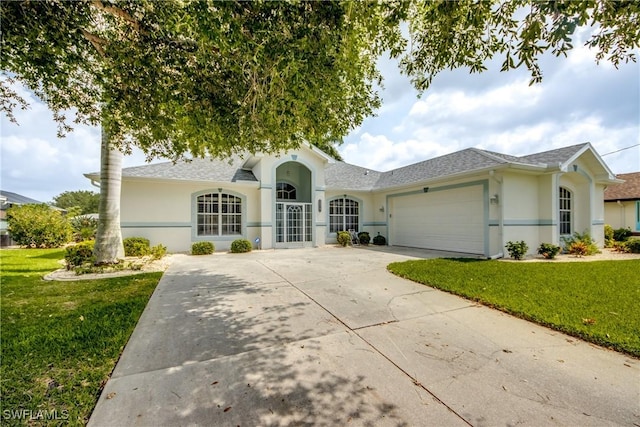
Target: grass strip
(597,301)
(61,340)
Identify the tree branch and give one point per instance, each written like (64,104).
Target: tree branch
(116,11)
(96,41)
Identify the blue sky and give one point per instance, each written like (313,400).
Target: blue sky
(578,101)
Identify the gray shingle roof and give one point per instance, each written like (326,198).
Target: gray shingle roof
(350,177)
(552,157)
(344,176)
(195,170)
(18,199)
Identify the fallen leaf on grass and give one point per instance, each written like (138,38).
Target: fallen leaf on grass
(589,321)
(227,409)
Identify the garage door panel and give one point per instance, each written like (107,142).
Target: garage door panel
(451,220)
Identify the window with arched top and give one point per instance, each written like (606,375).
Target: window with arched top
(219,214)
(565,205)
(344,214)
(285,191)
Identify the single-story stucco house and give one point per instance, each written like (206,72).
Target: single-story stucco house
(622,203)
(470,201)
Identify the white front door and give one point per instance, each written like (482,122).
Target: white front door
(293,225)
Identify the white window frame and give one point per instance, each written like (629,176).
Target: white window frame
(565,211)
(344,214)
(218,214)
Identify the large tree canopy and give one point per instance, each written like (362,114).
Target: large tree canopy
(199,77)
(86,201)
(177,77)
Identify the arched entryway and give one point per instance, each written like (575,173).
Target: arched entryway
(293,206)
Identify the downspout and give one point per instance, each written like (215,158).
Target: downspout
(500,254)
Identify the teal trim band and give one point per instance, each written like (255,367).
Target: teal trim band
(375,224)
(155,225)
(321,224)
(598,222)
(259,224)
(527,222)
(321,189)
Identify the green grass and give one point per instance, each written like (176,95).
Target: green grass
(597,301)
(60,340)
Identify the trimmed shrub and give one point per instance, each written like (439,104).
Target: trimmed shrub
(621,234)
(590,247)
(240,246)
(344,238)
(136,246)
(379,240)
(633,246)
(548,250)
(79,254)
(517,250)
(608,236)
(158,251)
(84,228)
(38,226)
(202,248)
(364,238)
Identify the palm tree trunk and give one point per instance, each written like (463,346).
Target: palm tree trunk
(108,248)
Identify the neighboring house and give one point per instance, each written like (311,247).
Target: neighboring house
(622,203)
(471,201)
(8,199)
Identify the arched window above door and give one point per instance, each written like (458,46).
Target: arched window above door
(285,191)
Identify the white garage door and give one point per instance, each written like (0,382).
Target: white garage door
(449,220)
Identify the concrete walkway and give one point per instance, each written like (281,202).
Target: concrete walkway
(327,337)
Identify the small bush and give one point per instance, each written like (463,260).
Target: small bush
(621,234)
(78,255)
(590,246)
(136,246)
(608,236)
(344,238)
(202,248)
(633,246)
(240,246)
(364,238)
(548,250)
(84,228)
(158,251)
(38,226)
(620,247)
(517,250)
(379,240)
(579,248)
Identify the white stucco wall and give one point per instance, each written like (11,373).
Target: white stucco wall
(621,215)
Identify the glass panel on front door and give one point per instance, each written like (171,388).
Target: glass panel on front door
(293,222)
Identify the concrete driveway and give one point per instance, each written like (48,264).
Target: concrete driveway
(328,337)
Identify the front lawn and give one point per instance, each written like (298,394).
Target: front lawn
(598,301)
(61,340)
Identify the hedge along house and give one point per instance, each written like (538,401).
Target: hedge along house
(470,201)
